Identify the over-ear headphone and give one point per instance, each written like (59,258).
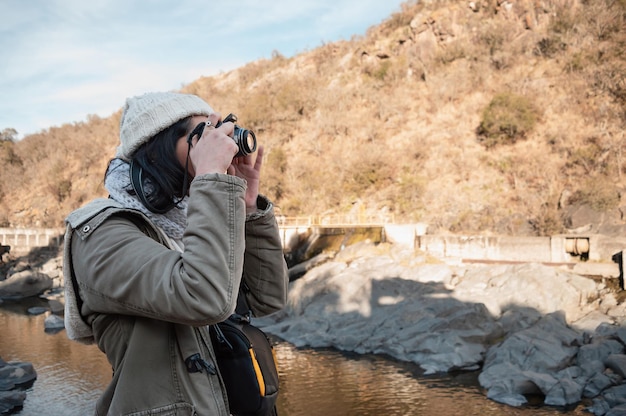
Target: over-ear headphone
(136,179)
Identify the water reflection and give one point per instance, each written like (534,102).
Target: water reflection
(71,377)
(331,383)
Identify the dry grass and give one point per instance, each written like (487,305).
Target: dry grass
(388,122)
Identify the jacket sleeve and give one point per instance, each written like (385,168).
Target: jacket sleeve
(265,277)
(121,270)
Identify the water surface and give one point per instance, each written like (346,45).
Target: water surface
(314,382)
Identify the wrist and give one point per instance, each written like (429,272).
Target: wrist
(263,207)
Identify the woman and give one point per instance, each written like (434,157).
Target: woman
(164,256)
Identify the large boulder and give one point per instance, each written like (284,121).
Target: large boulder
(533,361)
(24,284)
(375,305)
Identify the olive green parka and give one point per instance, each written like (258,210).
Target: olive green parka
(145,302)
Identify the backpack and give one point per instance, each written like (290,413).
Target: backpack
(247,363)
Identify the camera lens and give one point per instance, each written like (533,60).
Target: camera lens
(245,139)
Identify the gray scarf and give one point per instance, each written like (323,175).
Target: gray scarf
(117,182)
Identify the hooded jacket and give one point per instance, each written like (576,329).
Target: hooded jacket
(144,302)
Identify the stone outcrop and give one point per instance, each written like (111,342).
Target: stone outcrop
(14,375)
(24,284)
(528,328)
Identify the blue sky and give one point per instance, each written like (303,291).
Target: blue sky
(62,60)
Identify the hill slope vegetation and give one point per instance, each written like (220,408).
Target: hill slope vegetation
(487,117)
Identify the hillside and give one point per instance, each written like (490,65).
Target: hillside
(489,116)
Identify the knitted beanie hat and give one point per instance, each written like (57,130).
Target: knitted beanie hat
(146,115)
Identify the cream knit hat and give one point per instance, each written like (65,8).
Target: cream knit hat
(146,115)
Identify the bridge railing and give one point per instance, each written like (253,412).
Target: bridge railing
(334,220)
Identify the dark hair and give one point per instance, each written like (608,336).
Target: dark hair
(162,176)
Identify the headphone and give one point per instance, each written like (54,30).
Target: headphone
(136,179)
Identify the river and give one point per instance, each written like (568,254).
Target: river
(71,376)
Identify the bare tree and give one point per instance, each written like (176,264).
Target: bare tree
(8,135)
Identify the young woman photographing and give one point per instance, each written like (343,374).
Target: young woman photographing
(148,268)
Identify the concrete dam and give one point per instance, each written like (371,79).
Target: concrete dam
(303,239)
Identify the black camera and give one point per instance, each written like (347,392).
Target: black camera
(245,139)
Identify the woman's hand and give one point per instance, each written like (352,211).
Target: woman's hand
(214,151)
(249,168)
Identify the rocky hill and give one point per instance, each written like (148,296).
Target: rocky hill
(485,117)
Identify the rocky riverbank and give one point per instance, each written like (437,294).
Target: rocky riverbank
(530,329)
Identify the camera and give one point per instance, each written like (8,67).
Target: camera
(245,139)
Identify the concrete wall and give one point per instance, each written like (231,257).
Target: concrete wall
(23,240)
(554,249)
(493,248)
(292,235)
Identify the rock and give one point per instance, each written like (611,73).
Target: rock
(530,329)
(15,374)
(619,314)
(591,321)
(619,410)
(591,368)
(517,319)
(620,334)
(52,267)
(617,363)
(533,285)
(375,305)
(596,384)
(599,407)
(11,400)
(24,284)
(528,361)
(609,331)
(599,350)
(566,391)
(300,269)
(54,323)
(615,396)
(56,306)
(37,310)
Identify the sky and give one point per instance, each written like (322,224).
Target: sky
(63,60)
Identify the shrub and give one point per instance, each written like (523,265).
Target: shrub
(547,222)
(597,192)
(507,118)
(8,155)
(586,159)
(575,63)
(549,47)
